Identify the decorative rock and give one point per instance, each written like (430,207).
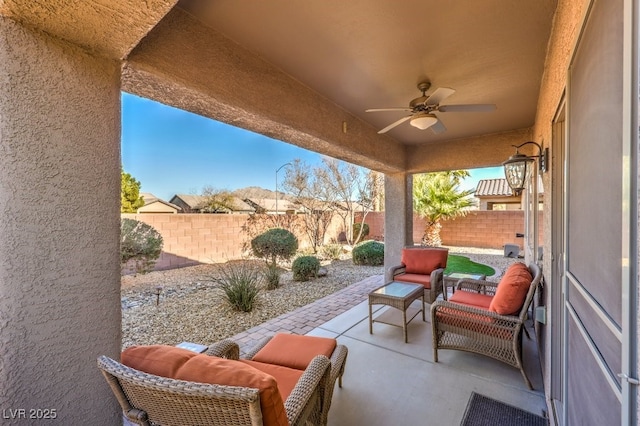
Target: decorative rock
(193,309)
(322,272)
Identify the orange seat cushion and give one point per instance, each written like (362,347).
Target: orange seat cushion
(512,290)
(473,322)
(286,377)
(424,260)
(425,280)
(469,298)
(189,366)
(294,351)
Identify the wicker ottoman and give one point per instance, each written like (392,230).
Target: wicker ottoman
(296,351)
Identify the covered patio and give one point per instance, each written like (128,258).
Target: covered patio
(388,381)
(561,73)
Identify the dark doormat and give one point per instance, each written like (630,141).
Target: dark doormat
(484,411)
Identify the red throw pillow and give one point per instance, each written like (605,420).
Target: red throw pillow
(424,260)
(182,364)
(512,290)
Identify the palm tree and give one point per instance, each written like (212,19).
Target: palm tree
(436,197)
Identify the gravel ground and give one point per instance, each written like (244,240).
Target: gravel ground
(190,306)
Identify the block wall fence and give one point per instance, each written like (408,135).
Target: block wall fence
(481,228)
(192,239)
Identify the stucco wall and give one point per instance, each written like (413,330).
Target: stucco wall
(59,180)
(566,27)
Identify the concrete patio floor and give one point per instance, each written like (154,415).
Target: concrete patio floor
(390,382)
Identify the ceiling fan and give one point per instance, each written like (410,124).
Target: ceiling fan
(423,108)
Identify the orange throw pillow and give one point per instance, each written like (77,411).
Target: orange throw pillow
(286,377)
(182,364)
(424,260)
(512,290)
(221,371)
(294,351)
(159,360)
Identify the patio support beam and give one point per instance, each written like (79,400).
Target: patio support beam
(398,219)
(185,64)
(59,229)
(469,153)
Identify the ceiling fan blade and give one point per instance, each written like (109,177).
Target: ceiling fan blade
(388,109)
(467,108)
(438,127)
(440,94)
(395,123)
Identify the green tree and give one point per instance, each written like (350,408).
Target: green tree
(130,199)
(437,197)
(140,243)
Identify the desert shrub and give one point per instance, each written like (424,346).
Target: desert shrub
(141,243)
(368,253)
(272,277)
(305,267)
(331,251)
(356,232)
(241,286)
(274,244)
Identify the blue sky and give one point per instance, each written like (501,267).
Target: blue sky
(171,151)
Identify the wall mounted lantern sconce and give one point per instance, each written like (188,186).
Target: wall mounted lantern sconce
(518,166)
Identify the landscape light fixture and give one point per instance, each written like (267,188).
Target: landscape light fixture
(518,166)
(423,120)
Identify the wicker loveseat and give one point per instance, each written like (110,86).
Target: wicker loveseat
(421,265)
(487,318)
(184,388)
(293,351)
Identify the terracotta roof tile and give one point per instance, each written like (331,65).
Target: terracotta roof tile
(493,188)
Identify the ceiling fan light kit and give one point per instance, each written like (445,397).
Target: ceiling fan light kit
(423,121)
(422,109)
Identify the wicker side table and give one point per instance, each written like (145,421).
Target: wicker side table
(397,295)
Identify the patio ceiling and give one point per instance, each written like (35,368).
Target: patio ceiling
(297,71)
(305,72)
(362,54)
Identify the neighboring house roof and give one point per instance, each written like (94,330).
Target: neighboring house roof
(239,205)
(269,204)
(148,197)
(153,204)
(499,188)
(493,188)
(194,202)
(198,203)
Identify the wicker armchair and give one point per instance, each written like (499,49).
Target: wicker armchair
(473,329)
(229,349)
(421,265)
(148,400)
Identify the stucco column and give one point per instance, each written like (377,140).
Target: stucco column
(398,218)
(59,229)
